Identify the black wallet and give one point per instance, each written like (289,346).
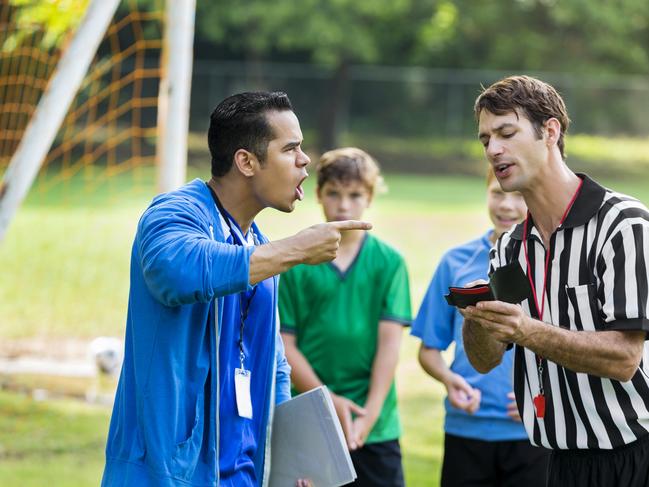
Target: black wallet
(508,283)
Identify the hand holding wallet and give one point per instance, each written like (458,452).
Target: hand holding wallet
(508,283)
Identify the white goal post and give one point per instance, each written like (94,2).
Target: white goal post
(66,80)
(52,107)
(174,94)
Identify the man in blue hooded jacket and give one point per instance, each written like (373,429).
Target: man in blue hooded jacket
(204,365)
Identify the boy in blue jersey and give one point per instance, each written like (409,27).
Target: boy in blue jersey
(485,443)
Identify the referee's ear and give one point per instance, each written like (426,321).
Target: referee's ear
(552,131)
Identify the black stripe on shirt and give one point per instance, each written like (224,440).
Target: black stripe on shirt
(601,284)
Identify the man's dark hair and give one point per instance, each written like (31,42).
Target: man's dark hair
(240,122)
(537,100)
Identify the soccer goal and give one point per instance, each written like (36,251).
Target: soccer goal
(92,89)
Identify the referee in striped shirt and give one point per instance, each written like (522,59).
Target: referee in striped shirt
(581,375)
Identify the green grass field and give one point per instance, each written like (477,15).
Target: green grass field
(65,264)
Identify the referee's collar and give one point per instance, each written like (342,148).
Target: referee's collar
(588,202)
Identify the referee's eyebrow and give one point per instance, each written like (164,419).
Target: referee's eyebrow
(500,128)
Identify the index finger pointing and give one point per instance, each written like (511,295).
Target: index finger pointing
(351,225)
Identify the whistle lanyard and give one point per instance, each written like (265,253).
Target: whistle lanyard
(245,298)
(539,399)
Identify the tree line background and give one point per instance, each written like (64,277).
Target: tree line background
(595,47)
(399,77)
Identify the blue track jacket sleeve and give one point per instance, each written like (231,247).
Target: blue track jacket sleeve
(283,377)
(180,260)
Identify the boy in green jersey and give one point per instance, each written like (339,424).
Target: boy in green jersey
(342,322)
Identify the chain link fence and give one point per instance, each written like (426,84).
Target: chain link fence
(410,116)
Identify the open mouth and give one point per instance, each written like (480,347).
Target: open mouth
(299,191)
(502,170)
(508,222)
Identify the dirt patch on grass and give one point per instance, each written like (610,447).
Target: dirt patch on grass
(47,368)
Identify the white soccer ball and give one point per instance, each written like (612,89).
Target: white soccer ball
(107,353)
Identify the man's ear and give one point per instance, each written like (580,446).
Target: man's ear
(552,130)
(246,162)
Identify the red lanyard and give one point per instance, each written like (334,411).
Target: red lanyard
(539,399)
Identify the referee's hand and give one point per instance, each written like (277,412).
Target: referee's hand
(505,322)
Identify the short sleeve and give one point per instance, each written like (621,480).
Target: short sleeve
(287,304)
(496,254)
(623,288)
(434,321)
(396,304)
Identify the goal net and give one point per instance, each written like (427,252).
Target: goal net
(110,128)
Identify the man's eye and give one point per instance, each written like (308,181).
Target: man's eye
(508,135)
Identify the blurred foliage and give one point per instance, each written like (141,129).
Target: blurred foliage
(323,31)
(549,35)
(593,38)
(335,33)
(55,18)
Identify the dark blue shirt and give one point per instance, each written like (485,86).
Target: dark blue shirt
(237,454)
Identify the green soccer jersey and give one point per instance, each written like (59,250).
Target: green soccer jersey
(335,318)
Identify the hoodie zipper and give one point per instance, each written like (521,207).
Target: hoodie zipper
(217,375)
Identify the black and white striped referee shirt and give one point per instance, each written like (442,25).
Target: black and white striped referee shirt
(597,280)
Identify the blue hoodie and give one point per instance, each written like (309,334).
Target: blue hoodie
(165,428)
